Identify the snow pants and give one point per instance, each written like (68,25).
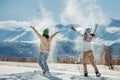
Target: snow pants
(42,61)
(88,56)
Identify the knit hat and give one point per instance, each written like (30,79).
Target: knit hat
(88,30)
(46,31)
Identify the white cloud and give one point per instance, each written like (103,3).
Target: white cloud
(112,29)
(12,24)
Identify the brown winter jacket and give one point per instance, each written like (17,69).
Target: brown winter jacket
(45,43)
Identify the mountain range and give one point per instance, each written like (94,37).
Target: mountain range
(21,43)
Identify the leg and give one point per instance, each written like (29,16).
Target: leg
(85,70)
(93,64)
(110,61)
(91,58)
(45,62)
(85,64)
(40,61)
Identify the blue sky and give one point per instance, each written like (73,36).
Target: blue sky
(25,10)
(110,8)
(18,9)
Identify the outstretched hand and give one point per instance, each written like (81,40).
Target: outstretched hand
(57,32)
(32,27)
(96,25)
(72,28)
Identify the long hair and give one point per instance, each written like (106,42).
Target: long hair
(47,36)
(85,33)
(93,35)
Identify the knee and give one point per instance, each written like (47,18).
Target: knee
(44,62)
(84,64)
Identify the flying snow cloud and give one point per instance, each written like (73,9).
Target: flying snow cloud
(83,12)
(45,21)
(46,17)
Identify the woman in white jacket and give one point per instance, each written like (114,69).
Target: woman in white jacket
(87,50)
(44,48)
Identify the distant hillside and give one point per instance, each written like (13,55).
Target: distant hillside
(18,50)
(15,42)
(116,50)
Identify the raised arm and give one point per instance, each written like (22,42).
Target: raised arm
(93,34)
(72,28)
(36,32)
(96,25)
(55,34)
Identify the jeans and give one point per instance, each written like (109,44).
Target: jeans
(42,61)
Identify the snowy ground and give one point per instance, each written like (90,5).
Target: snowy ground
(31,71)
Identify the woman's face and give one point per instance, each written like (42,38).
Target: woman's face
(88,30)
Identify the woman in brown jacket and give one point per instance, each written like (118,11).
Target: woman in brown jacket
(45,40)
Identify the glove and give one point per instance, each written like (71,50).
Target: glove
(96,24)
(32,27)
(93,35)
(58,31)
(72,28)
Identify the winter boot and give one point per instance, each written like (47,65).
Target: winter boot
(44,71)
(112,67)
(97,74)
(86,74)
(47,72)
